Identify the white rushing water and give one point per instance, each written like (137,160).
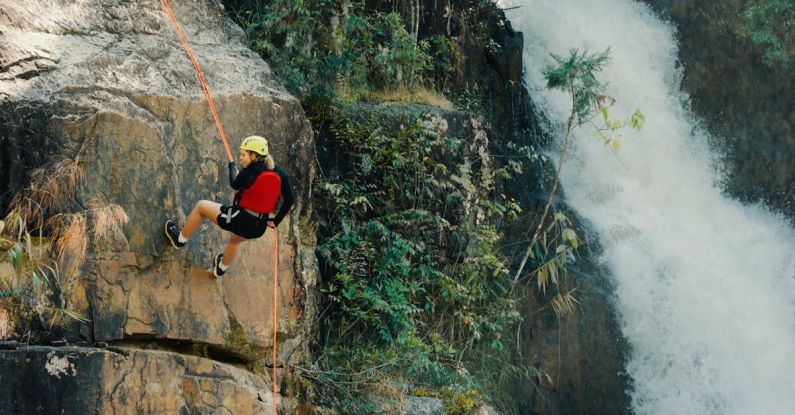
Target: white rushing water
(705,284)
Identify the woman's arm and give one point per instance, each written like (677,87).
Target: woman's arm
(244,179)
(288,197)
(232,174)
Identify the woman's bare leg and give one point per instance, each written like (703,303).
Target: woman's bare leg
(231,250)
(203,209)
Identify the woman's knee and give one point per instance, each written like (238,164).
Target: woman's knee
(199,206)
(206,207)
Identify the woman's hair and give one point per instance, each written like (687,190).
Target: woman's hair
(269,163)
(267,159)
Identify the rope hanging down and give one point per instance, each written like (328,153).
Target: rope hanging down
(275,308)
(175,24)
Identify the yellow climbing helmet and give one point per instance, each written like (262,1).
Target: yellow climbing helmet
(256,144)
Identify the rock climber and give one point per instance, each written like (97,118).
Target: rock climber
(259,185)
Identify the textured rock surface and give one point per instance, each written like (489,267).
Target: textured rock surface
(69,380)
(110,84)
(581,356)
(424,406)
(748,105)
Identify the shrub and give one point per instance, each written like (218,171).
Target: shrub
(322,50)
(414,289)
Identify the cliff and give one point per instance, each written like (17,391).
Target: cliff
(108,87)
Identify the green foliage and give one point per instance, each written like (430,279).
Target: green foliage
(399,58)
(330,51)
(770,24)
(469,100)
(414,288)
(576,75)
(458,401)
(476,17)
(444,56)
(31,290)
(611,125)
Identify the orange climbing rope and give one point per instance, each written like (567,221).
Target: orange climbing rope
(173,19)
(275,308)
(175,24)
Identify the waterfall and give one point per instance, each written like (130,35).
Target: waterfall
(705,285)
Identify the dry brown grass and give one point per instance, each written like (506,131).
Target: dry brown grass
(108,218)
(71,246)
(12,224)
(564,303)
(5,322)
(72,237)
(404,95)
(549,273)
(22,211)
(51,189)
(9,310)
(46,266)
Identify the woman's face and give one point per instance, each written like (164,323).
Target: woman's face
(245,158)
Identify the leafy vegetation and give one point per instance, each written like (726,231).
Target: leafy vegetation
(341,52)
(770,24)
(417,290)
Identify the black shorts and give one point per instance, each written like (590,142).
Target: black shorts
(242,223)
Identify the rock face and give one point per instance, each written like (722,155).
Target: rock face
(581,356)
(110,85)
(71,380)
(748,105)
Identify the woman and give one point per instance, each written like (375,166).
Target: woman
(258,186)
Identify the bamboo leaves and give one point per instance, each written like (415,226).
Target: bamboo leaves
(576,75)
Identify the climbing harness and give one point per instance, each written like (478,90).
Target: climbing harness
(175,24)
(229,215)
